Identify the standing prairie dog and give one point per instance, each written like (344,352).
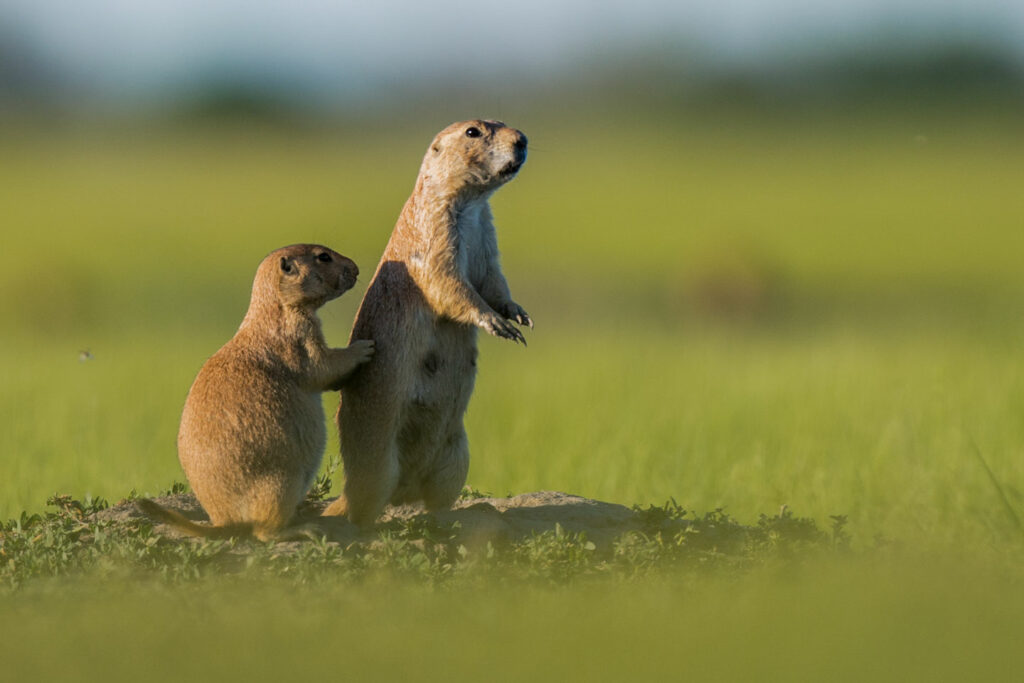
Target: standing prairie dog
(402,437)
(252,432)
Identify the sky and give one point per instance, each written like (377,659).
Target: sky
(135,45)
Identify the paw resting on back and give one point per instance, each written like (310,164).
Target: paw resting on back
(362,350)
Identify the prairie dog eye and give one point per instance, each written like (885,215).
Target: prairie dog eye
(473,132)
(285,265)
(324,257)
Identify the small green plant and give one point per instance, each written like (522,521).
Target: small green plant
(176,488)
(322,484)
(470,493)
(556,555)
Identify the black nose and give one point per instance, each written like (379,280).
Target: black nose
(520,148)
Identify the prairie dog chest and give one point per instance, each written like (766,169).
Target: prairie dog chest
(475,241)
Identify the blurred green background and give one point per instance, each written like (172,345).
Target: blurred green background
(824,313)
(770,263)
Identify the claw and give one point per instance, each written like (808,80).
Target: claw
(512,333)
(515,312)
(518,336)
(500,327)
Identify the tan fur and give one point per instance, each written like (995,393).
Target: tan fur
(402,437)
(252,433)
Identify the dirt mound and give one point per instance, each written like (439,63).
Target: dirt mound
(474,521)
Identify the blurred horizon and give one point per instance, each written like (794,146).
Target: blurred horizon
(267,60)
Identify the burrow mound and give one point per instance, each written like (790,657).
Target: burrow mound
(473,521)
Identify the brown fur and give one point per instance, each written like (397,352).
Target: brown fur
(402,437)
(252,433)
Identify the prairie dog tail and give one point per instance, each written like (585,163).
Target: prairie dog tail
(339,508)
(159,513)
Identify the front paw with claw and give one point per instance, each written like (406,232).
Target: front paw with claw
(514,311)
(500,327)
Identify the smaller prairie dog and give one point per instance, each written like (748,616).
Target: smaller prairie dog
(252,432)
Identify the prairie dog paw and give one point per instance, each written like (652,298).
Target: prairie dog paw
(499,327)
(514,311)
(362,349)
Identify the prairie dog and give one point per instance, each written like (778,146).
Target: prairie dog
(400,418)
(252,432)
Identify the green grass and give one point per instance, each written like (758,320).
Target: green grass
(736,314)
(880,428)
(757,630)
(782,601)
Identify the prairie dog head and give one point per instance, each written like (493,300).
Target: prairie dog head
(477,156)
(304,276)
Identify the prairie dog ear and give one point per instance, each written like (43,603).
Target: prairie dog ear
(286,265)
